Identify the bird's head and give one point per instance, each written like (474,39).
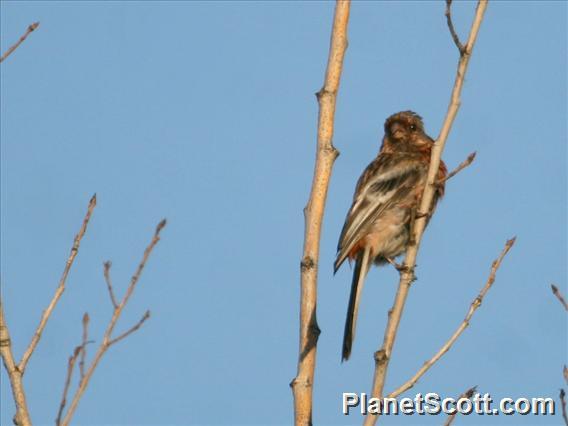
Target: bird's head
(404,131)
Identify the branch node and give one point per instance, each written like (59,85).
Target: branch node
(307,264)
(380,357)
(315,330)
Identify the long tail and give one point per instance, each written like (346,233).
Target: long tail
(359,274)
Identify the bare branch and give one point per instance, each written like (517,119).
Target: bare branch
(302,384)
(107,265)
(131,329)
(108,341)
(476,303)
(565,374)
(465,163)
(84,344)
(563,403)
(467,395)
(22,417)
(559,296)
(29,30)
(407,274)
(455,36)
(136,276)
(60,289)
(79,350)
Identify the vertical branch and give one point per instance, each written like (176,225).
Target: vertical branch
(383,356)
(302,385)
(22,417)
(16,371)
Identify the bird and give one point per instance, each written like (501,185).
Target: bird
(377,226)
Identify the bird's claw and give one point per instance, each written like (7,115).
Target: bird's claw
(400,267)
(421,214)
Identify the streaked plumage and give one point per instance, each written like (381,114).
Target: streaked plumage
(377,225)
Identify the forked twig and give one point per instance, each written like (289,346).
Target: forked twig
(453,32)
(476,303)
(22,417)
(60,288)
(108,340)
(131,329)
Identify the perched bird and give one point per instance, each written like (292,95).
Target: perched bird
(377,227)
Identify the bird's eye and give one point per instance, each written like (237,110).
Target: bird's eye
(412,128)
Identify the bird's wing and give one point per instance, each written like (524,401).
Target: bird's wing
(385,182)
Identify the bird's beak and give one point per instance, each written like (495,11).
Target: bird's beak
(398,134)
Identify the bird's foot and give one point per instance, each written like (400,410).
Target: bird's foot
(421,214)
(400,267)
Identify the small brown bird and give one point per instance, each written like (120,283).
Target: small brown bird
(377,227)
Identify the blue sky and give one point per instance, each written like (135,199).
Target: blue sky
(204,113)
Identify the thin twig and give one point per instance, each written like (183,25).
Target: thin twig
(455,36)
(407,274)
(107,265)
(563,403)
(302,384)
(465,163)
(84,344)
(29,30)
(108,340)
(60,288)
(131,329)
(466,395)
(79,350)
(565,374)
(476,303)
(22,417)
(559,296)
